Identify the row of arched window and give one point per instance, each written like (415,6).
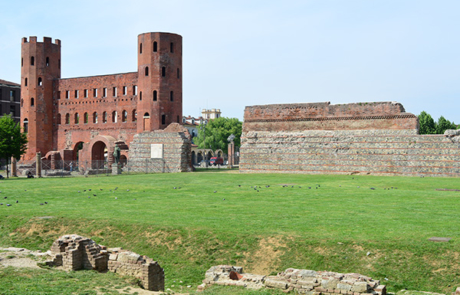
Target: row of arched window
(163,72)
(155,47)
(47,62)
(95,119)
(39,81)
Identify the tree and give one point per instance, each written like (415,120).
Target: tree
(13,143)
(426,123)
(214,135)
(443,125)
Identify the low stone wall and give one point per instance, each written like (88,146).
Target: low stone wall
(301,281)
(375,138)
(176,151)
(74,252)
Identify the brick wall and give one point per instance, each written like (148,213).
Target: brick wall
(383,140)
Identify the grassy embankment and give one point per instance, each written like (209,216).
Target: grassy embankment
(340,224)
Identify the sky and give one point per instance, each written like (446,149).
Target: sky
(250,52)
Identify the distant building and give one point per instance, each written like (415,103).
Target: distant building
(10,103)
(210,114)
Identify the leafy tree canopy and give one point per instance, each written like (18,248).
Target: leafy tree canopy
(429,126)
(214,135)
(13,143)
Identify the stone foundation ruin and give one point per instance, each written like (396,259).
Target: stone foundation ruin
(74,252)
(377,138)
(301,281)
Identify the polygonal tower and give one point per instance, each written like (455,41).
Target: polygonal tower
(40,66)
(159,81)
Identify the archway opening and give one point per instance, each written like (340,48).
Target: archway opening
(76,149)
(193,158)
(199,157)
(209,156)
(98,155)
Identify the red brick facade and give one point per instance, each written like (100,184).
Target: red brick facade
(100,110)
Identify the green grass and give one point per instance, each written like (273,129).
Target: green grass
(332,227)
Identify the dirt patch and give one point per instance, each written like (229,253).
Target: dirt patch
(20,257)
(267,255)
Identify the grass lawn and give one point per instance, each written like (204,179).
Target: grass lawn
(319,222)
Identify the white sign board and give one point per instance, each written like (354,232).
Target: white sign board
(156,151)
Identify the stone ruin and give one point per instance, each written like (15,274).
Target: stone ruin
(301,281)
(74,252)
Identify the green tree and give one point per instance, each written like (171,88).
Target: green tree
(426,123)
(444,124)
(214,135)
(13,143)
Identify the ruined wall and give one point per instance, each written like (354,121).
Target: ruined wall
(176,151)
(301,281)
(367,138)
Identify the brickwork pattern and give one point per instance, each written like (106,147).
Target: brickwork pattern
(347,145)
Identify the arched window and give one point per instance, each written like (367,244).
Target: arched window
(26,125)
(77,118)
(134,89)
(163,119)
(178,73)
(104,117)
(114,117)
(171,47)
(163,71)
(67,118)
(140,95)
(32,102)
(47,61)
(25,82)
(155,95)
(146,71)
(95,117)
(124,116)
(134,116)
(171,96)
(59,119)
(32,60)
(22,61)
(140,48)
(177,119)
(85,118)
(155,46)
(40,82)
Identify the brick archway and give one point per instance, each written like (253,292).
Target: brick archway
(96,149)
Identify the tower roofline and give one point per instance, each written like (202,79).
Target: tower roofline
(33,39)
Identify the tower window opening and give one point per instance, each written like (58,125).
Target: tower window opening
(114,91)
(178,119)
(124,116)
(59,63)
(95,117)
(134,116)
(85,118)
(171,47)
(32,60)
(140,48)
(134,90)
(155,95)
(67,93)
(59,119)
(76,94)
(25,82)
(40,82)
(104,117)
(104,92)
(32,102)
(77,118)
(26,125)
(22,61)
(95,92)
(146,71)
(163,119)
(67,118)
(85,93)
(163,71)
(155,46)
(140,95)
(47,61)
(114,117)
(125,90)
(171,96)
(178,73)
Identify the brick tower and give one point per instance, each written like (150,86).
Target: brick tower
(40,67)
(159,81)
